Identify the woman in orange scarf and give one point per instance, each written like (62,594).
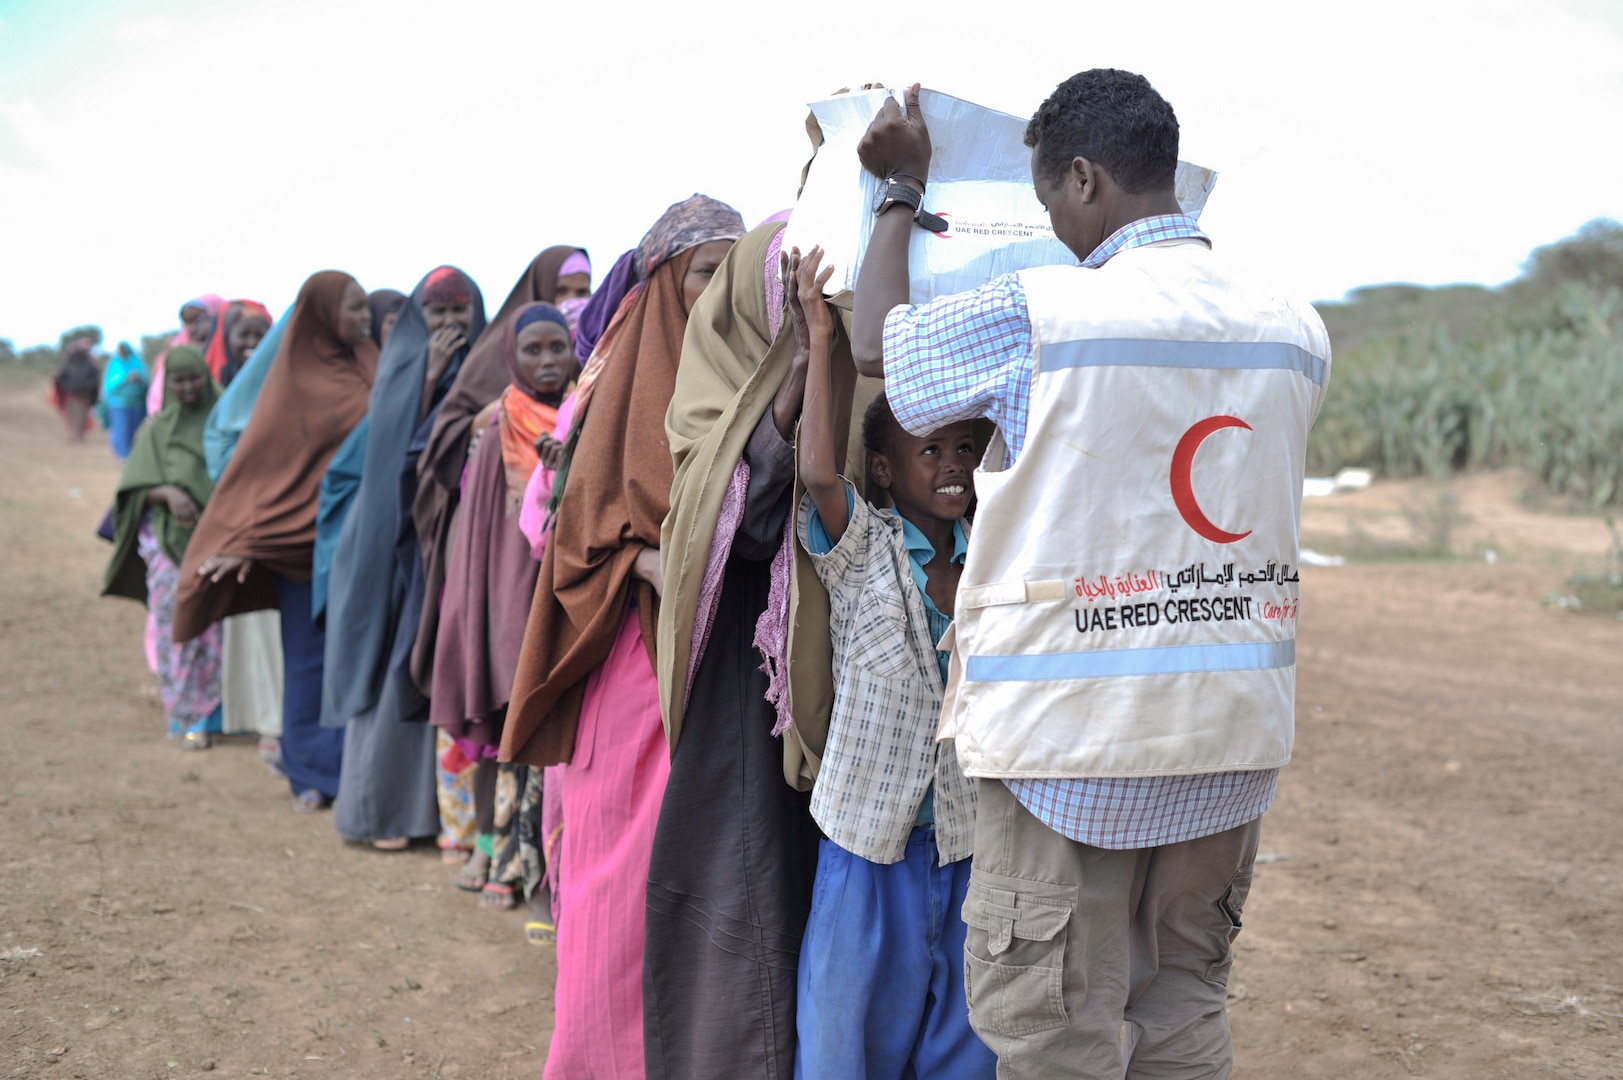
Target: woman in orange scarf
(489,582)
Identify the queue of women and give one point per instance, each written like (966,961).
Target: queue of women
(503,583)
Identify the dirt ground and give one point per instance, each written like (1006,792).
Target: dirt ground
(1440,895)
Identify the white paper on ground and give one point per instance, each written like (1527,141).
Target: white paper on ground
(980,182)
(1354,479)
(1318,487)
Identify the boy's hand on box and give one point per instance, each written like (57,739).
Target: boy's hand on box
(810,276)
(789,268)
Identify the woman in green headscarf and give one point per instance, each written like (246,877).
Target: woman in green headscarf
(160,497)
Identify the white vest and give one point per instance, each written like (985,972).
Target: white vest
(1129,602)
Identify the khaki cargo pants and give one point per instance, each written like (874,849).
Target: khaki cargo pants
(1088,962)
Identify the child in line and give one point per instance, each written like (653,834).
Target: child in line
(881,988)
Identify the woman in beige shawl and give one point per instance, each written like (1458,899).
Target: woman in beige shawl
(735,848)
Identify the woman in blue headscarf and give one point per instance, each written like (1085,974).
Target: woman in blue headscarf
(374,582)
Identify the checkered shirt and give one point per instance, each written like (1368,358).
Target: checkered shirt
(882,755)
(970,355)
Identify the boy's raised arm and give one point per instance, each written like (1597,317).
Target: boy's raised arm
(814,326)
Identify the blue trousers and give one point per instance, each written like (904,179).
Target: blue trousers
(122,424)
(882,971)
(311,754)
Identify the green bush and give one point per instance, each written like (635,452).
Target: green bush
(1537,382)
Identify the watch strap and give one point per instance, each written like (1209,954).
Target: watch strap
(895,193)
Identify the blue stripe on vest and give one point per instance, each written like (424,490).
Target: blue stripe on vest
(1103,663)
(1207,355)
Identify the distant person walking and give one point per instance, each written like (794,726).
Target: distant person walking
(124,395)
(76,388)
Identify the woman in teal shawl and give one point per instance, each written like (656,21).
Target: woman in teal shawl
(124,396)
(160,497)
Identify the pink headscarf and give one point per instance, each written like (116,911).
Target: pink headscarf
(209,303)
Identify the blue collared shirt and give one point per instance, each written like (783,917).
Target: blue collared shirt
(970,355)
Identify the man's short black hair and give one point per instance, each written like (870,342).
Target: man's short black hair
(1114,119)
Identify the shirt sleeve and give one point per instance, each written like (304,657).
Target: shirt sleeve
(841,567)
(958,357)
(816,538)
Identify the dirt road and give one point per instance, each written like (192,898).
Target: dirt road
(1442,896)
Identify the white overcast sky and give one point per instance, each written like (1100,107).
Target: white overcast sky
(152,150)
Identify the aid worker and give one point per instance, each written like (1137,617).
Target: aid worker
(1152,409)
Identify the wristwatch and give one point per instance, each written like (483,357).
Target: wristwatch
(892,191)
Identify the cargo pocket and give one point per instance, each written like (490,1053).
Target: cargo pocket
(1229,907)
(1014,959)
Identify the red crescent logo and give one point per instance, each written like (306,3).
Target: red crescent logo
(1183,491)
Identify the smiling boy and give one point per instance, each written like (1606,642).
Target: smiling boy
(881,965)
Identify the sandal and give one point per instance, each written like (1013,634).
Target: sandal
(309,801)
(270,750)
(497,897)
(392,843)
(194,740)
(474,873)
(540,933)
(454,856)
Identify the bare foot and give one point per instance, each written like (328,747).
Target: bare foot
(393,843)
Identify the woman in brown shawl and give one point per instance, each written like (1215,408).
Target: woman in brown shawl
(253,546)
(585,692)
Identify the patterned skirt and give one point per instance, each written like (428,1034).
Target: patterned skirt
(189,674)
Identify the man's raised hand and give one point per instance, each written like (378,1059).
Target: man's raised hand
(897,141)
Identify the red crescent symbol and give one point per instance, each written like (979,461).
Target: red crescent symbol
(1183,491)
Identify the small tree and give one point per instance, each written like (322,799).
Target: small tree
(8,351)
(91,332)
(1592,256)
